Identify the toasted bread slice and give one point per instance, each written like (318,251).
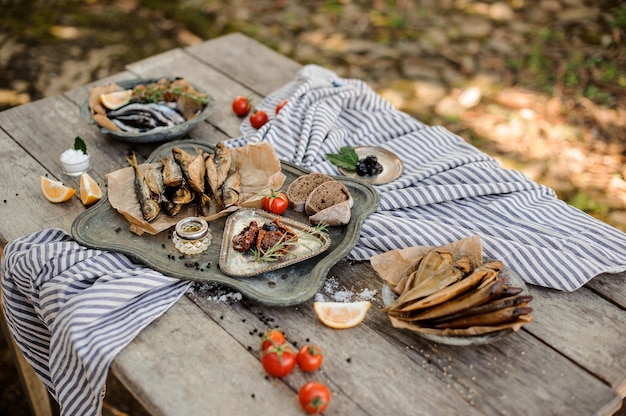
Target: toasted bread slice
(325,196)
(301,188)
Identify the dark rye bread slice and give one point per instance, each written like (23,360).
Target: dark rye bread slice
(325,196)
(301,188)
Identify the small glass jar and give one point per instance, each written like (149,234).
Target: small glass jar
(192,235)
(75,162)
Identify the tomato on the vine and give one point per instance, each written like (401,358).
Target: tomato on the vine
(309,357)
(278,360)
(276,203)
(272,337)
(314,397)
(280,105)
(241,106)
(258,118)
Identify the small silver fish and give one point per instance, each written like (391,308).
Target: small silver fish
(172,175)
(193,167)
(154,179)
(231,190)
(171,208)
(149,207)
(182,195)
(203,205)
(223,162)
(168,112)
(211,177)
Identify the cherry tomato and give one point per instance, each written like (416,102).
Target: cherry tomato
(258,118)
(314,397)
(272,337)
(241,106)
(276,203)
(309,357)
(280,105)
(278,360)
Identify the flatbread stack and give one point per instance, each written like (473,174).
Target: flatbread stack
(447,295)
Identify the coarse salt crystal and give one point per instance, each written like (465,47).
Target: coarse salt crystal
(72,156)
(342,296)
(367,294)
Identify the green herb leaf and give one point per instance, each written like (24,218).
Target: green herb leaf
(346,159)
(79,144)
(350,153)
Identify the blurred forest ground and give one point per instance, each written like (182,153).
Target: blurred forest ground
(540,85)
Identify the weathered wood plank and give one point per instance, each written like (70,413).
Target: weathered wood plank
(201,369)
(80,94)
(47,127)
(611,286)
(24,208)
(47,124)
(522,371)
(359,365)
(586,328)
(252,64)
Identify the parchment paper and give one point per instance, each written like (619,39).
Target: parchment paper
(392,266)
(258,166)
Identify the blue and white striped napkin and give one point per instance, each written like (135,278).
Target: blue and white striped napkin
(72,309)
(449,189)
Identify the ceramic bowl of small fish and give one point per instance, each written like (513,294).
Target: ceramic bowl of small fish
(148,122)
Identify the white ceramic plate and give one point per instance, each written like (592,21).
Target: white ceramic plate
(237,264)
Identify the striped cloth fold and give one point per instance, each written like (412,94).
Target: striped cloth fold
(72,309)
(449,189)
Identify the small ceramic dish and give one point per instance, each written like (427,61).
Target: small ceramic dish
(513,279)
(234,263)
(150,136)
(392,165)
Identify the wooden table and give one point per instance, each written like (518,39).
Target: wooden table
(202,356)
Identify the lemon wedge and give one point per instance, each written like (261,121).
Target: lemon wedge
(115,100)
(341,315)
(55,191)
(90,192)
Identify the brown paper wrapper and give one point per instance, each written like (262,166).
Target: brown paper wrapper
(393,265)
(260,172)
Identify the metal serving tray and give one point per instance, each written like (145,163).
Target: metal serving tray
(104,228)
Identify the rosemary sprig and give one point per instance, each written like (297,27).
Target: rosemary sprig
(275,252)
(321,228)
(156,92)
(281,248)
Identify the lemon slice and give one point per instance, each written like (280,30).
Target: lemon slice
(55,191)
(114,100)
(341,315)
(90,192)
